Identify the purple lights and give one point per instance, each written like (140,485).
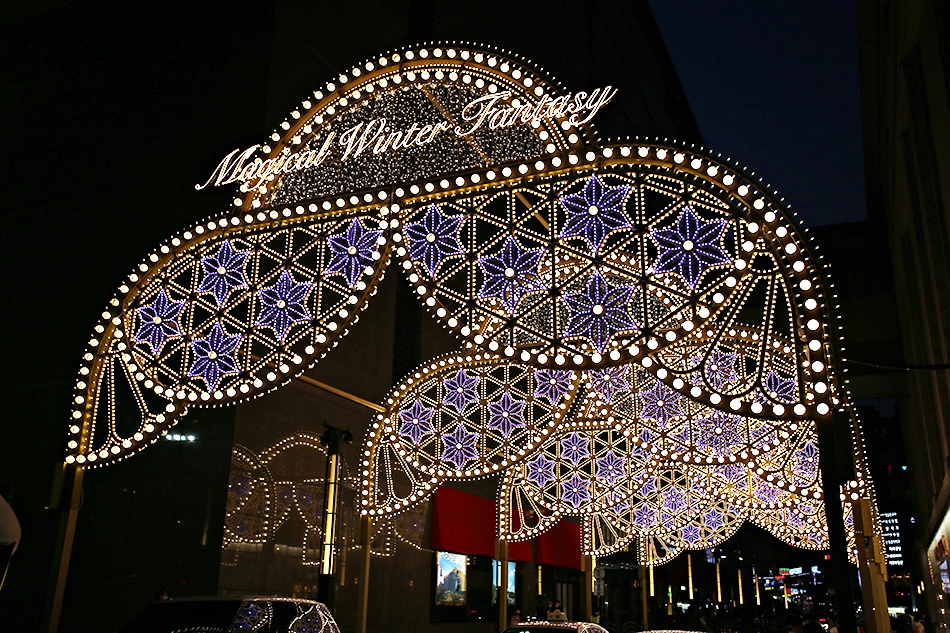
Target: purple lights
(690,248)
(511,274)
(595,213)
(416,422)
(283,304)
(223,272)
(434,238)
(159,321)
(214,356)
(599,312)
(352,251)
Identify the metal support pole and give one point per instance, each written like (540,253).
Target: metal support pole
(67,501)
(643,593)
(871,566)
(588,565)
(362,593)
(501,556)
(831,474)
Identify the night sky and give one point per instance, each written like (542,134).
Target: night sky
(774,86)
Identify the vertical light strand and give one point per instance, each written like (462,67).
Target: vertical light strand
(689,567)
(741,601)
(758,597)
(539,580)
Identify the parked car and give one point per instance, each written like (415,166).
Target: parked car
(233,615)
(556,627)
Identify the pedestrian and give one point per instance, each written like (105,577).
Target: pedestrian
(595,618)
(515,618)
(549,611)
(557,614)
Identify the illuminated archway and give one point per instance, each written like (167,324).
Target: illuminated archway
(648,341)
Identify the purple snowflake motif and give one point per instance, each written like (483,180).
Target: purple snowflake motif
(434,238)
(609,381)
(575,490)
(283,304)
(638,450)
(648,487)
(610,467)
(505,415)
(713,519)
(734,474)
(599,312)
(691,534)
(551,384)
(574,447)
(511,274)
(691,248)
(159,321)
(541,471)
(595,213)
(719,370)
(660,404)
(223,272)
(459,447)
(766,493)
(806,463)
(214,357)
(460,390)
(416,422)
(779,388)
(644,516)
(718,432)
(674,499)
(352,252)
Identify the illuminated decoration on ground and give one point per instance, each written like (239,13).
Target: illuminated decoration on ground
(647,340)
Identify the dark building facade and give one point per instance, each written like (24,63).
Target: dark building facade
(905,77)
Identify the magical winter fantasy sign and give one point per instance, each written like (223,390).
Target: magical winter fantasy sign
(494,110)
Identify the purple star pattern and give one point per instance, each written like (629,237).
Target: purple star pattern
(691,248)
(159,321)
(610,467)
(660,403)
(718,432)
(644,516)
(599,312)
(416,422)
(575,490)
(352,252)
(223,272)
(674,499)
(460,390)
(574,447)
(459,447)
(595,213)
(691,534)
(511,274)
(214,357)
(766,493)
(434,238)
(714,519)
(778,388)
(283,304)
(609,381)
(551,384)
(648,487)
(541,471)
(806,462)
(505,414)
(720,369)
